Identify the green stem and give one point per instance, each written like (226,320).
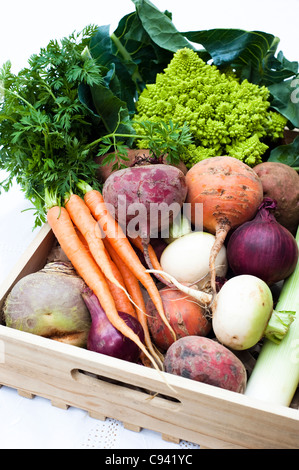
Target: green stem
(20,98)
(278,325)
(51,93)
(126,55)
(51,199)
(84,187)
(136,77)
(107,136)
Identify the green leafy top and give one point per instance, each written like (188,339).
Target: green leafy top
(77,97)
(60,112)
(43,125)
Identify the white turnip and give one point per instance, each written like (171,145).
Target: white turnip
(187,258)
(242,311)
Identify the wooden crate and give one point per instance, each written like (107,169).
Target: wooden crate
(140,397)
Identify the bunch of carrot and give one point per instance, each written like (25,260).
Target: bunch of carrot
(105,259)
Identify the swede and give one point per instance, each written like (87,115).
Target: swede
(48,303)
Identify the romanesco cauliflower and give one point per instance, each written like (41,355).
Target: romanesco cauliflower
(224,116)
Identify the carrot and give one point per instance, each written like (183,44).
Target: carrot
(152,262)
(137,241)
(87,225)
(133,287)
(228,192)
(64,230)
(94,200)
(122,301)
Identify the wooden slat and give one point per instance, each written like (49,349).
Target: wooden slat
(139,396)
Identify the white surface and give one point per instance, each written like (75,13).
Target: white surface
(25,27)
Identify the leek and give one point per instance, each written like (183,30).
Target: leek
(275,376)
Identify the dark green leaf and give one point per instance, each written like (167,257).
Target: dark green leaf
(286,99)
(119,70)
(111,109)
(227,46)
(160,27)
(287,154)
(251,53)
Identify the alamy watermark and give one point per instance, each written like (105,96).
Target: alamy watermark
(295,93)
(148,220)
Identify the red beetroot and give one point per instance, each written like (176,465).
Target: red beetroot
(146,186)
(134,156)
(145,199)
(184,314)
(204,360)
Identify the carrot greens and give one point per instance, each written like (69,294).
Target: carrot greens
(55,113)
(44,127)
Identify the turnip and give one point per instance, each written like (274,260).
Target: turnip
(48,303)
(229,192)
(187,258)
(242,312)
(205,360)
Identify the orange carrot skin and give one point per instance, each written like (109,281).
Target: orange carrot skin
(64,230)
(133,287)
(87,225)
(131,282)
(122,302)
(153,257)
(116,236)
(94,200)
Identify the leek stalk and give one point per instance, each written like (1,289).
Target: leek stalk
(275,376)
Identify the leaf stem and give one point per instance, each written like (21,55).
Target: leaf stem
(113,135)
(136,77)
(14,93)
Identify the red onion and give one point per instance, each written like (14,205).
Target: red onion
(262,247)
(104,338)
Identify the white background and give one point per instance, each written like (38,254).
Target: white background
(26,26)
